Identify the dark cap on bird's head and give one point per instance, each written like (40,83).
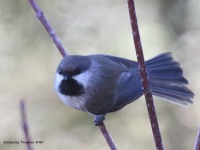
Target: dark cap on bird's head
(73,65)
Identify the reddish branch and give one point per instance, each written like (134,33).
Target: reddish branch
(107,136)
(144,76)
(43,20)
(25,125)
(197,144)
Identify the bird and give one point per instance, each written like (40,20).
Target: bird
(99,84)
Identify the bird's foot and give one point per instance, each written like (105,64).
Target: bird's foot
(98,119)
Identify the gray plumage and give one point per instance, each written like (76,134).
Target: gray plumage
(109,83)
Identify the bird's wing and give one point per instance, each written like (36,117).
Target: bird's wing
(122,61)
(129,89)
(129,84)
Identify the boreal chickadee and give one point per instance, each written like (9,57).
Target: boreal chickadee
(99,84)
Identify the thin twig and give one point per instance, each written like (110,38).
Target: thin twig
(61,48)
(107,136)
(197,144)
(24,124)
(43,20)
(144,76)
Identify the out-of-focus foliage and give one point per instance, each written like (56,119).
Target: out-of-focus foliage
(28,60)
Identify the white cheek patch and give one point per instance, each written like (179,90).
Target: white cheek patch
(58,79)
(83,78)
(76,102)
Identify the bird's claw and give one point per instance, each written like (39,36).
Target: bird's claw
(98,119)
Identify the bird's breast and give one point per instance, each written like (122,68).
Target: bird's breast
(77,102)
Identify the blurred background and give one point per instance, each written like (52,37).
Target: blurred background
(28,60)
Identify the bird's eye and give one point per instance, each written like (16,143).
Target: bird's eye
(77,71)
(60,72)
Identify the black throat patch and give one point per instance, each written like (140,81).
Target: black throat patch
(71,87)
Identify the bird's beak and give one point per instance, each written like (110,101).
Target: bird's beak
(67,77)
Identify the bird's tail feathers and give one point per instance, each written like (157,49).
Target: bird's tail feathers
(167,81)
